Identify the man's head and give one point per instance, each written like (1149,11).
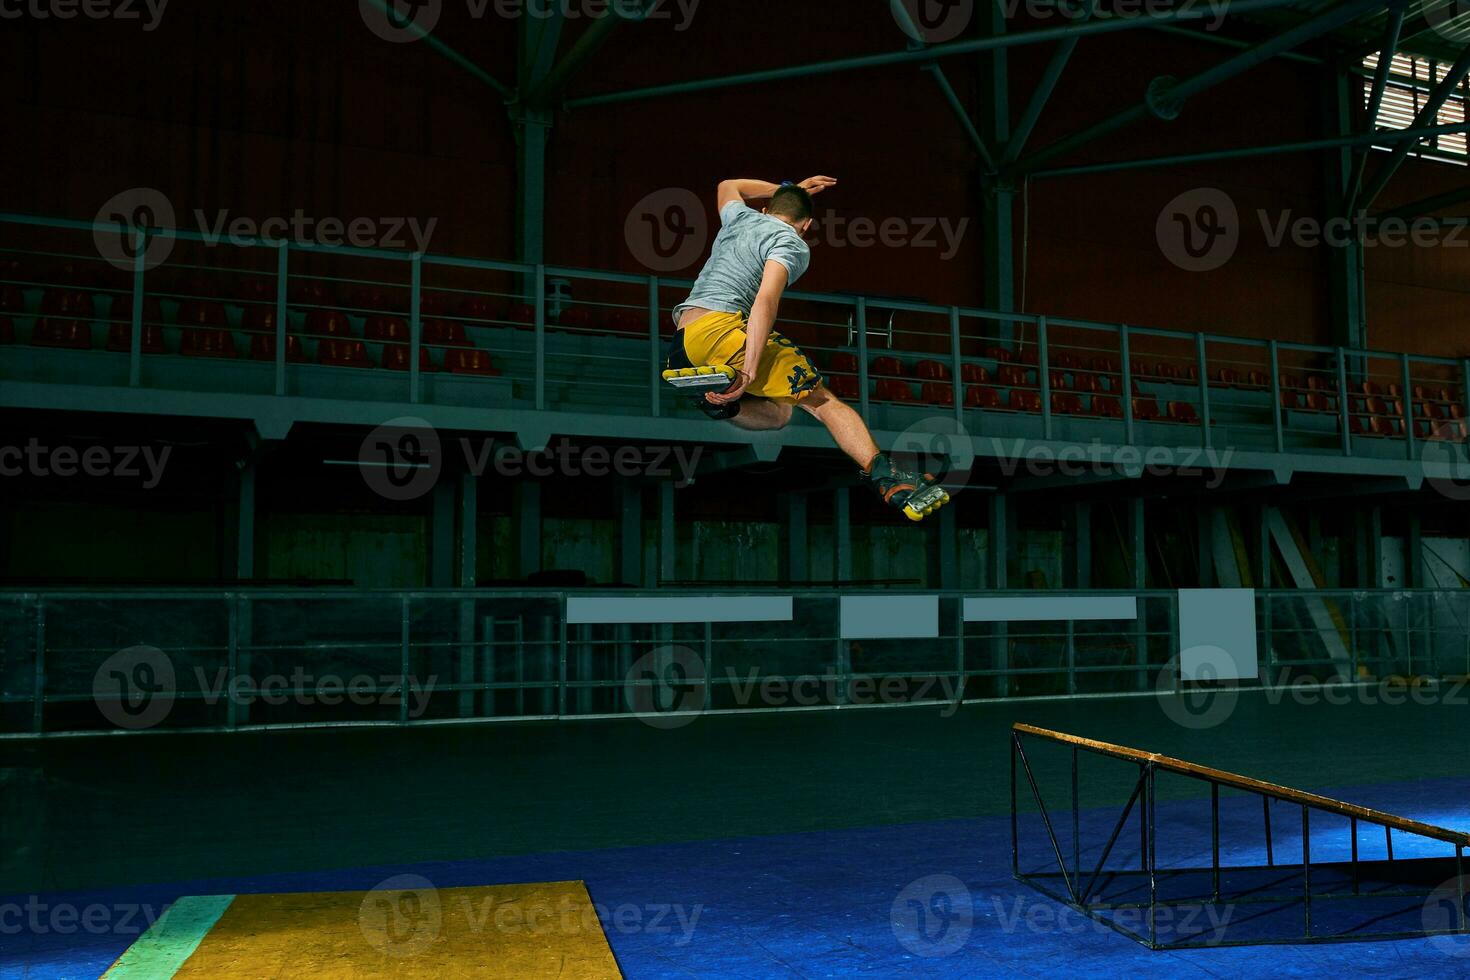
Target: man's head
(793,205)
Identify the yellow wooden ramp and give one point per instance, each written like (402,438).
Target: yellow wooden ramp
(404,928)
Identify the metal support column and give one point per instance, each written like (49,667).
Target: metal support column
(997,195)
(1344,259)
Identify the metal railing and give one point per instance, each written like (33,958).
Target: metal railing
(226,660)
(466,331)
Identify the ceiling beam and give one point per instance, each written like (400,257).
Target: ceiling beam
(1165,96)
(1381,137)
(444,50)
(1190,12)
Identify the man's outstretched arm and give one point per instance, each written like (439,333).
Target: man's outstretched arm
(758,329)
(746,189)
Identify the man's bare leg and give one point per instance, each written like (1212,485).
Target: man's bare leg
(915,493)
(848,429)
(760,414)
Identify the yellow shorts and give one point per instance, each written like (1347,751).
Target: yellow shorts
(785,374)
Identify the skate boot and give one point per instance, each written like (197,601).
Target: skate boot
(916,494)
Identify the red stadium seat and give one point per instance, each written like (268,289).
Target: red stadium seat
(893,390)
(328,323)
(1145,408)
(311,292)
(890,367)
(999,354)
(520,313)
(1066,403)
(445,333)
(202,313)
(57,332)
(1107,407)
(480,308)
(207,342)
(982,396)
(461,361)
(1012,376)
(68,303)
(931,370)
(263,348)
(1291,399)
(1022,400)
(12,300)
(397,357)
(937,393)
(258,318)
(1227,377)
(843,363)
(972,373)
(1183,412)
(844,386)
(392,329)
(120,338)
(334,352)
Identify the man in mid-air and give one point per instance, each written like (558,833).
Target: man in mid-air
(727,323)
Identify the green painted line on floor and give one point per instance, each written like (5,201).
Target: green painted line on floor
(159,952)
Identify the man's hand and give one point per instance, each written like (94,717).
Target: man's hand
(732,393)
(815,185)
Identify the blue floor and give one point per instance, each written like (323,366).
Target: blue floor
(928,900)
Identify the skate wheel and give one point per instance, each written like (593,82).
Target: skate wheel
(921,506)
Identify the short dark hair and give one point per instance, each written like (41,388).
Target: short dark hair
(791,202)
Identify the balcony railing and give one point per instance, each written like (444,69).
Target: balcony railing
(175,310)
(134,661)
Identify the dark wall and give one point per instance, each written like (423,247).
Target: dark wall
(268,107)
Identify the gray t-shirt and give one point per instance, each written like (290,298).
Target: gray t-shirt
(747,240)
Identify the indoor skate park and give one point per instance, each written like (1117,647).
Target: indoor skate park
(405,571)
